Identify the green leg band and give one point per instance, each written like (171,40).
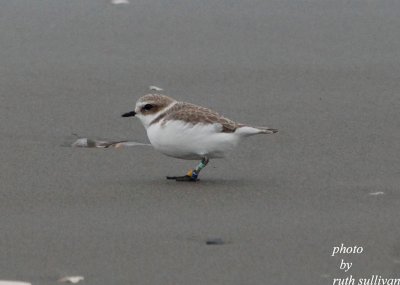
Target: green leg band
(201,165)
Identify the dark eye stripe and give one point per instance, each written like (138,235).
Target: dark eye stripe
(147,107)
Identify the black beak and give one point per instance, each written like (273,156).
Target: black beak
(129,114)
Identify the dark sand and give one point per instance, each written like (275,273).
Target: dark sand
(326,73)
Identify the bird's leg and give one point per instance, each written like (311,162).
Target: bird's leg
(193,173)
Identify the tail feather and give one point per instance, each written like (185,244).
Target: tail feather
(249,131)
(265,130)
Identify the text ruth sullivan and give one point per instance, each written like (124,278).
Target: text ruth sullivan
(373,280)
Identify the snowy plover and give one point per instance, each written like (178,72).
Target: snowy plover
(188,131)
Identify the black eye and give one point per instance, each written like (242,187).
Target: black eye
(147,107)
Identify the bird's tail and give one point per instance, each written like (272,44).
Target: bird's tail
(265,130)
(249,131)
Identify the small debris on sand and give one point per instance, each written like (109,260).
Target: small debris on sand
(155,88)
(118,2)
(214,241)
(71,279)
(91,143)
(376,193)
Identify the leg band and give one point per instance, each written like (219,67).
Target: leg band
(202,164)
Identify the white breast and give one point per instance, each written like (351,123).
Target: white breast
(187,141)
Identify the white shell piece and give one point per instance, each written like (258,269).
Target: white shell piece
(155,88)
(71,279)
(376,193)
(117,2)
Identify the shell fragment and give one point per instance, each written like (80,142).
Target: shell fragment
(71,279)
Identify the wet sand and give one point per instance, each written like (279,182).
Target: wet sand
(326,73)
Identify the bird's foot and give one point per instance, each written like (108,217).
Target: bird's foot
(191,176)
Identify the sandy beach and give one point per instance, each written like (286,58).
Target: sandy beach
(325,73)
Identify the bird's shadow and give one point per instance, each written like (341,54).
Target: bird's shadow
(204,183)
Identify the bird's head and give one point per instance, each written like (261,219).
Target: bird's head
(149,107)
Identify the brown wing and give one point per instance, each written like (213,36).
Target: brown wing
(194,114)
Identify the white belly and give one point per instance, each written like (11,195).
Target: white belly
(182,140)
